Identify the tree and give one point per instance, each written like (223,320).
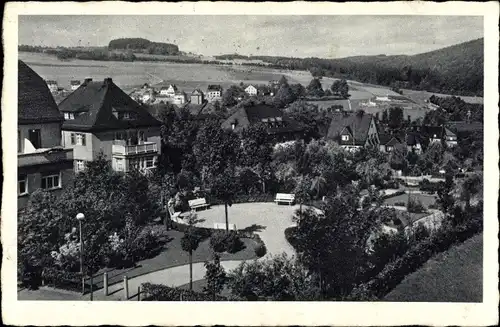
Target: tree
(282,81)
(344,89)
(190,242)
(284,96)
(224,187)
(231,95)
(333,244)
(396,118)
(298,91)
(302,190)
(256,151)
(315,89)
(276,279)
(40,231)
(445,197)
(385,117)
(215,277)
(215,149)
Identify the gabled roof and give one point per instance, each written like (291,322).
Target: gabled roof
(214,88)
(35,103)
(413,138)
(94,103)
(388,139)
(255,114)
(357,125)
(197,92)
(430,131)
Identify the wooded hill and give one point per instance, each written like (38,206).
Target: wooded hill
(456,69)
(143,45)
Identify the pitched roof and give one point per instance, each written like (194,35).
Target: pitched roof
(214,88)
(388,139)
(197,92)
(35,103)
(430,131)
(357,125)
(94,103)
(276,121)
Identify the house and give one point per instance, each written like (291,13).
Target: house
(169,91)
(353,130)
(277,124)
(42,163)
(107,120)
(74,85)
(388,142)
(251,90)
(214,92)
(180,98)
(466,129)
(197,97)
(433,133)
(52,85)
(450,138)
(414,142)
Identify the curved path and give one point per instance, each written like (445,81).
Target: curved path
(269,220)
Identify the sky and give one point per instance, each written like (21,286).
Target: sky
(291,36)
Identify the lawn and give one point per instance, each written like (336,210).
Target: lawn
(451,276)
(173,255)
(424,198)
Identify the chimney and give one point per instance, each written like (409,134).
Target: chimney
(86,81)
(108,80)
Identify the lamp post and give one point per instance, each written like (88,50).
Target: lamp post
(80,217)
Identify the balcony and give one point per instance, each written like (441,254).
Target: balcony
(126,150)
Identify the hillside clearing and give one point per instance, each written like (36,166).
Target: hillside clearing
(452,276)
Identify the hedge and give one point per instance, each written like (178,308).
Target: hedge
(394,272)
(156,292)
(387,196)
(246,198)
(70,281)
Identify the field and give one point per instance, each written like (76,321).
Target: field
(421,96)
(451,276)
(187,77)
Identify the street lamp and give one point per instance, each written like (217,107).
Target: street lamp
(80,217)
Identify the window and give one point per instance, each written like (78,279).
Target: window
(119,136)
(35,138)
(141,136)
(150,162)
(119,164)
(71,116)
(50,182)
(72,138)
(80,165)
(126,115)
(22,185)
(345,137)
(81,139)
(66,115)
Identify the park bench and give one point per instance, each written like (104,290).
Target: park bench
(223,226)
(284,197)
(198,203)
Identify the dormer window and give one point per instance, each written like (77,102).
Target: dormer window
(126,115)
(345,137)
(69,116)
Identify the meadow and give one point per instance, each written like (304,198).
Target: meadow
(452,276)
(188,76)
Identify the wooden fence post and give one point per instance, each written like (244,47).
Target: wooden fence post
(105,281)
(125,287)
(138,293)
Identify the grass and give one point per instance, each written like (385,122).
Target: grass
(424,198)
(173,255)
(451,276)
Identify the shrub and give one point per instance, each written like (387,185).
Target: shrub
(415,206)
(291,236)
(156,292)
(221,241)
(394,272)
(260,250)
(387,196)
(400,204)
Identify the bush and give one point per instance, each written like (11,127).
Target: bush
(415,206)
(400,204)
(291,236)
(260,250)
(155,292)
(394,272)
(221,241)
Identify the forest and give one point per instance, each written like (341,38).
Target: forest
(143,45)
